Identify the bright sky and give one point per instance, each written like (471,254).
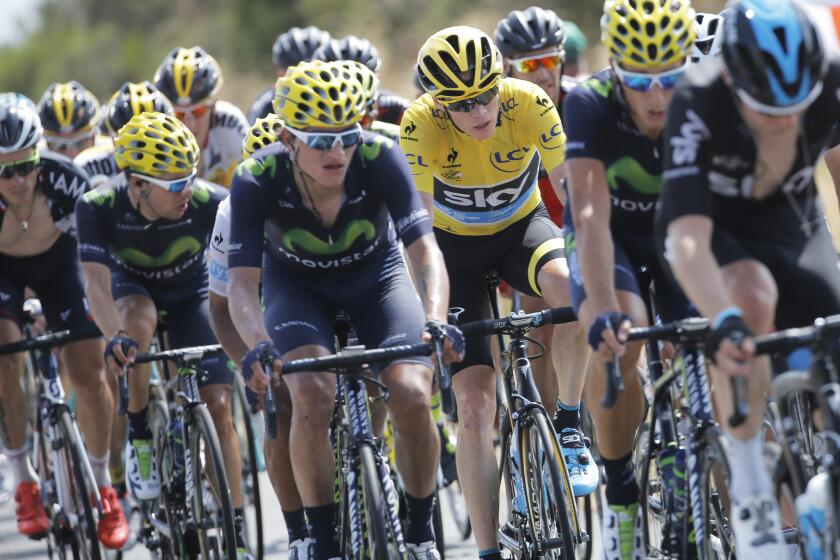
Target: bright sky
(13,22)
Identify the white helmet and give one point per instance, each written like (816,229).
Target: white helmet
(709,31)
(20,127)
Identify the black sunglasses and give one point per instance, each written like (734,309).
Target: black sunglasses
(467,105)
(23,167)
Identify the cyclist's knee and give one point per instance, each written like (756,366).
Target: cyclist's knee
(476,405)
(218,403)
(85,363)
(410,408)
(752,288)
(313,399)
(553,280)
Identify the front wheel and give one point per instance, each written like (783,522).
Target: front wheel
(248,442)
(381,508)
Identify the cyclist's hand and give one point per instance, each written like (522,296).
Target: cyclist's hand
(256,378)
(120,352)
(608,333)
(453,340)
(731,347)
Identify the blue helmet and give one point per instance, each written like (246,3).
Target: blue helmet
(773,53)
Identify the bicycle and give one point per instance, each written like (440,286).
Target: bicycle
(369,507)
(542,519)
(245,431)
(68,487)
(181,523)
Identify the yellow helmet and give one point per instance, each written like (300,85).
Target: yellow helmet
(319,95)
(458,62)
(366,77)
(263,132)
(154,144)
(648,33)
(189,76)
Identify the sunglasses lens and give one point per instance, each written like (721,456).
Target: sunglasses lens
(348,140)
(638,83)
(195,112)
(463,106)
(668,81)
(325,142)
(23,168)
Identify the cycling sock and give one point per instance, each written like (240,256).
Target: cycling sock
(322,523)
(490,554)
(419,527)
(748,476)
(21,465)
(622,489)
(566,416)
(138,427)
(239,527)
(296,524)
(101,470)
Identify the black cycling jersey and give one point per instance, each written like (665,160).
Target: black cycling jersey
(62,183)
(391,107)
(163,254)
(711,155)
(261,106)
(266,203)
(599,126)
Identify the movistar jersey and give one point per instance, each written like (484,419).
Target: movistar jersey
(163,253)
(482,187)
(266,203)
(599,126)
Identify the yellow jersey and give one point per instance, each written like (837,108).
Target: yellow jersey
(480,187)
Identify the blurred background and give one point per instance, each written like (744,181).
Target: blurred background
(102,43)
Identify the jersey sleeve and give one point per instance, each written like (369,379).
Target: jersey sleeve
(390,172)
(541,126)
(685,188)
(63,183)
(586,120)
(91,228)
(420,139)
(249,206)
(217,252)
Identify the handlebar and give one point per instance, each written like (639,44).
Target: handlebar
(48,341)
(517,323)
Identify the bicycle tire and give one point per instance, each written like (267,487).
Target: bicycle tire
(717,542)
(85,534)
(381,535)
(583,550)
(171,547)
(651,487)
(453,497)
(555,508)
(437,524)
(202,430)
(250,473)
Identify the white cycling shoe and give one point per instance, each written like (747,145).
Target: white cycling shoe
(141,469)
(757,526)
(424,551)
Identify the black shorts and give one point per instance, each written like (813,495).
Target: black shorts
(187,320)
(56,278)
(300,306)
(517,253)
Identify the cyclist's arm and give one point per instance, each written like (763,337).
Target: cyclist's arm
(590,200)
(832,161)
(100,298)
(556,176)
(430,276)
(244,305)
(224,329)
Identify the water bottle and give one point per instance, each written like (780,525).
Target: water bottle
(176,438)
(813,510)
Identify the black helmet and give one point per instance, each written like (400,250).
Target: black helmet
(67,108)
(297,45)
(132,99)
(350,48)
(188,76)
(773,55)
(531,30)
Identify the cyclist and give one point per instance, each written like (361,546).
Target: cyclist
(132,98)
(746,237)
(264,132)
(191,79)
(142,238)
(575,47)
(475,142)
(330,199)
(389,106)
(290,49)
(708,35)
(614,121)
(531,43)
(69,114)
(38,251)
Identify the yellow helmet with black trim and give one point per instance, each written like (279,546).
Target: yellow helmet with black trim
(132,99)
(458,62)
(263,132)
(154,144)
(68,107)
(319,95)
(189,76)
(366,77)
(648,33)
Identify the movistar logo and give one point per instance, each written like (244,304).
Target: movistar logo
(370,152)
(309,242)
(257,167)
(183,245)
(634,175)
(601,88)
(100,197)
(200,194)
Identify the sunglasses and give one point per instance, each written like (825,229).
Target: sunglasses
(639,81)
(196,111)
(22,167)
(63,144)
(771,111)
(467,105)
(173,186)
(528,64)
(326,140)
